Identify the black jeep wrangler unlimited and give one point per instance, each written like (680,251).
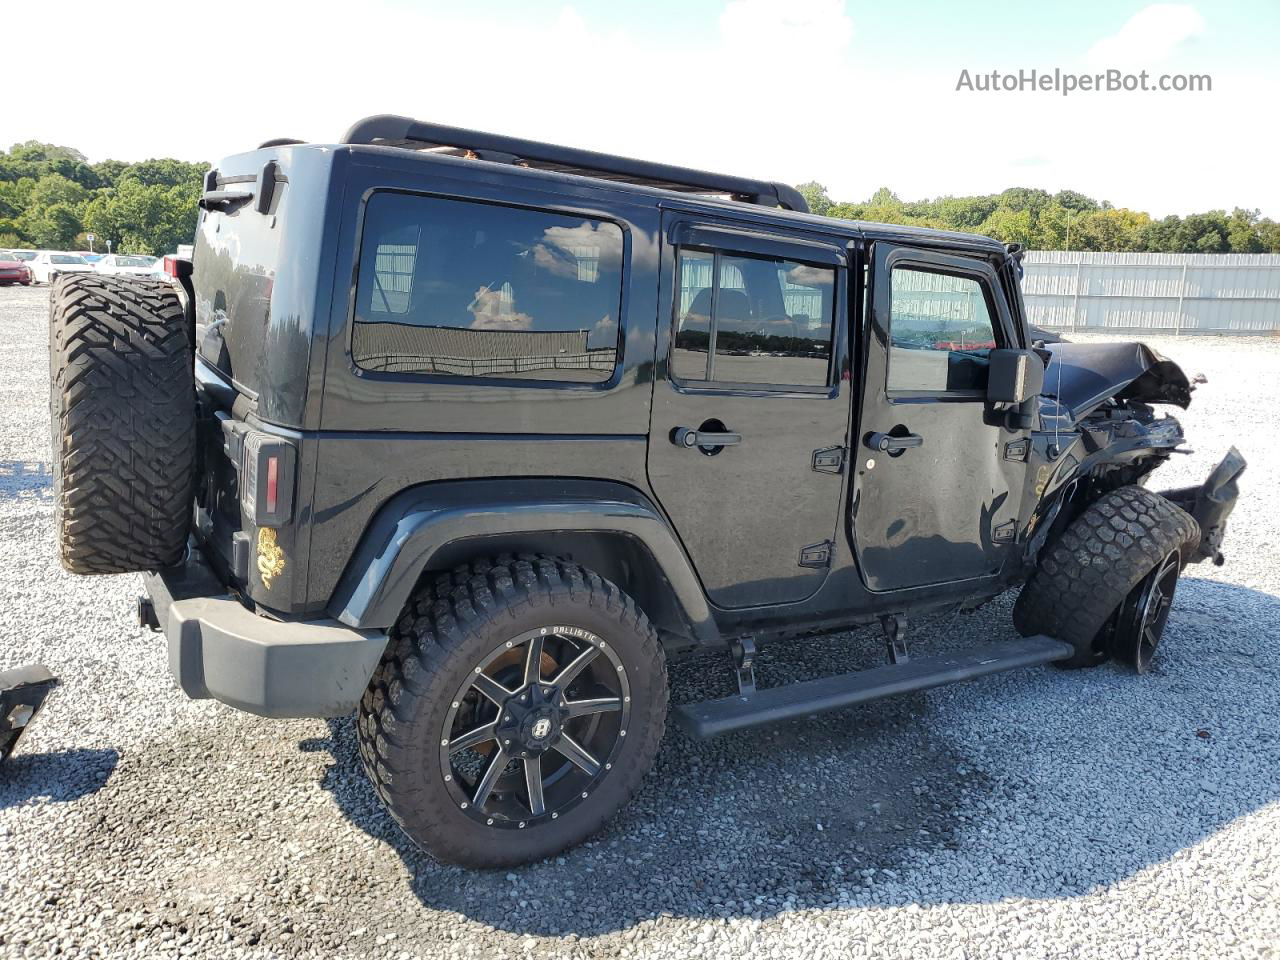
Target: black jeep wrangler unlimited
(466,433)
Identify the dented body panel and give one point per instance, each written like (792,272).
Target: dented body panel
(1082,376)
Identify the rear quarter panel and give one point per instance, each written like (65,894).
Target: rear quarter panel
(382,433)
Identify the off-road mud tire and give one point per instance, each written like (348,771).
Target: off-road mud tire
(1084,577)
(123,415)
(449,624)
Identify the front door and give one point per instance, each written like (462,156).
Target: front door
(938,486)
(751,407)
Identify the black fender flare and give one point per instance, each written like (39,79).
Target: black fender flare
(436,526)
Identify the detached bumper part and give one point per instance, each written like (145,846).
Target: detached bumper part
(1211,503)
(274,668)
(22,694)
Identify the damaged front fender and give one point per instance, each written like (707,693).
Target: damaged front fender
(1082,376)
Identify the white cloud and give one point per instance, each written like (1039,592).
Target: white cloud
(791,29)
(1151,35)
(777,90)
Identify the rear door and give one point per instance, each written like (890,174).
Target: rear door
(941,503)
(751,406)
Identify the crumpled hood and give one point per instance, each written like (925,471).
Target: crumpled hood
(1080,376)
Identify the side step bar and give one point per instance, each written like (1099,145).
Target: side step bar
(772,704)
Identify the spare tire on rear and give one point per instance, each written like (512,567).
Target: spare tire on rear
(123,408)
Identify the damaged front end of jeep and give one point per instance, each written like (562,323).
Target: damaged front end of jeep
(1098,431)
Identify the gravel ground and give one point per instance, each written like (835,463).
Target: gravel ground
(1036,814)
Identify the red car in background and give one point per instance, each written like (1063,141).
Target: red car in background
(13,270)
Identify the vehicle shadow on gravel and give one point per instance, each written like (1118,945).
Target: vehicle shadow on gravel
(18,477)
(979,793)
(58,777)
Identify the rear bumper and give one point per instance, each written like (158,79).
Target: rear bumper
(275,668)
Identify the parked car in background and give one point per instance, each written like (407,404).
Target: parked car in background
(13,270)
(26,256)
(50,264)
(89,256)
(127,264)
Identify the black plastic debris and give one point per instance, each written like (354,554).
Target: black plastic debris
(22,694)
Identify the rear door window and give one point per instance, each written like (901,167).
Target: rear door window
(457,288)
(753,320)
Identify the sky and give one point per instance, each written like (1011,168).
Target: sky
(856,94)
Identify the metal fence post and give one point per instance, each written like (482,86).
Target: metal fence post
(1075,302)
(1182,292)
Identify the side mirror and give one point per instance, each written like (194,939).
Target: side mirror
(1014,376)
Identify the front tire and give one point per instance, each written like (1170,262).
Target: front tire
(519,705)
(1083,579)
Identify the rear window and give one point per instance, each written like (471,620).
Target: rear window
(462,289)
(67,258)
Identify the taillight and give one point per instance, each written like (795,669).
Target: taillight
(273,482)
(171,266)
(266,479)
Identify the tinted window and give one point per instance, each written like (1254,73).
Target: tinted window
(769,320)
(478,290)
(941,330)
(67,258)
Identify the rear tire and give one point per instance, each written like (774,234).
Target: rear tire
(1082,580)
(426,700)
(123,411)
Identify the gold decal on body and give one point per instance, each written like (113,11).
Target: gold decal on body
(1042,480)
(270,556)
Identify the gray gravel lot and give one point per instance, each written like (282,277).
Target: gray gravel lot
(1043,813)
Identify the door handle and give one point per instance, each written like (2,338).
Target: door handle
(688,437)
(887,443)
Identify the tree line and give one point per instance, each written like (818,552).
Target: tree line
(1065,220)
(51,197)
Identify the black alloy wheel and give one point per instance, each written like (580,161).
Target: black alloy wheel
(1140,622)
(535,727)
(519,704)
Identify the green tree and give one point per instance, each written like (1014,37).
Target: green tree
(1242,231)
(1009,226)
(1109,229)
(109,171)
(815,194)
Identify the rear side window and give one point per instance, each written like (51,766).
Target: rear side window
(463,289)
(752,320)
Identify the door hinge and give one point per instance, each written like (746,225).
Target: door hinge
(1006,532)
(816,555)
(828,460)
(1016,450)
